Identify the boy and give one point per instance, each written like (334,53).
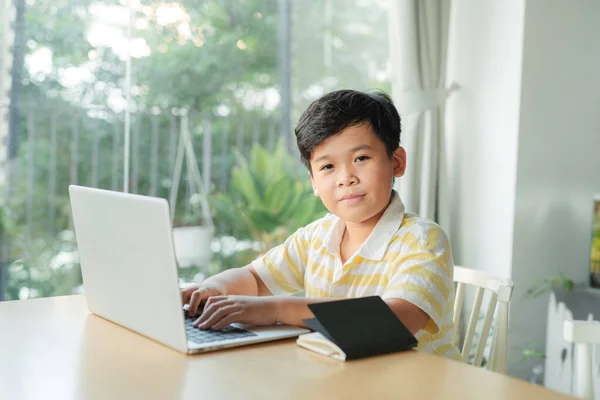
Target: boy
(367,245)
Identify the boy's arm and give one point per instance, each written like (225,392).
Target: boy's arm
(246,294)
(246,281)
(242,281)
(420,286)
(223,310)
(262,289)
(235,281)
(412,316)
(292,310)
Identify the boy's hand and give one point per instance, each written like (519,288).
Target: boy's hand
(221,311)
(198,293)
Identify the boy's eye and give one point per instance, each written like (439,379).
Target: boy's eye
(362,158)
(327,166)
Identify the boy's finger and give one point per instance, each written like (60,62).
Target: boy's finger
(214,315)
(214,299)
(196,298)
(229,319)
(210,307)
(186,294)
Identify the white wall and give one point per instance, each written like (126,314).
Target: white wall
(524,140)
(559,154)
(482,126)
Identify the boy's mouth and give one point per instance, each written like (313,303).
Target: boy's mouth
(352,197)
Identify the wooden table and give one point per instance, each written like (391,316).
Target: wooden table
(54,349)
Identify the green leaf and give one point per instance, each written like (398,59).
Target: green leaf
(552,281)
(304,213)
(279,157)
(568,285)
(260,164)
(227,212)
(244,184)
(265,220)
(278,194)
(301,193)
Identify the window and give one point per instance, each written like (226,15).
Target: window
(237,74)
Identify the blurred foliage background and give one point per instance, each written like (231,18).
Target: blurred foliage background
(218,59)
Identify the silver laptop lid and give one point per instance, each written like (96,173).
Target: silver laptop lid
(128,262)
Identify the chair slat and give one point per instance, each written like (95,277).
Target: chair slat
(459,299)
(493,351)
(501,336)
(485,330)
(472,324)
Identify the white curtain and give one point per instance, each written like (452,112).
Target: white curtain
(6,42)
(418,46)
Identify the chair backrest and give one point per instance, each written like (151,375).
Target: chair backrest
(500,290)
(583,334)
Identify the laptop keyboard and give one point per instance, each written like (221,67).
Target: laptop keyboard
(199,336)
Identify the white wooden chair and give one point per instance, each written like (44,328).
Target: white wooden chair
(583,334)
(500,290)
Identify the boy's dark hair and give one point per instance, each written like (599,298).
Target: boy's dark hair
(336,111)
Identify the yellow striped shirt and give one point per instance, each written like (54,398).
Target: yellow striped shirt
(405,257)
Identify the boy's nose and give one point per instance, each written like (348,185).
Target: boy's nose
(347,178)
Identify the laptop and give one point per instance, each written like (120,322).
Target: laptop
(130,275)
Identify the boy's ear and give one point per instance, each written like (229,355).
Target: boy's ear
(312,181)
(399,162)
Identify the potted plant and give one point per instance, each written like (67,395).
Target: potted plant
(268,199)
(193,227)
(192,235)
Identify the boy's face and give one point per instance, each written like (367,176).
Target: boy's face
(352,173)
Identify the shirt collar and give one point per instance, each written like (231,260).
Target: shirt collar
(376,244)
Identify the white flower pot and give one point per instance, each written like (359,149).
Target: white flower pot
(192,245)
